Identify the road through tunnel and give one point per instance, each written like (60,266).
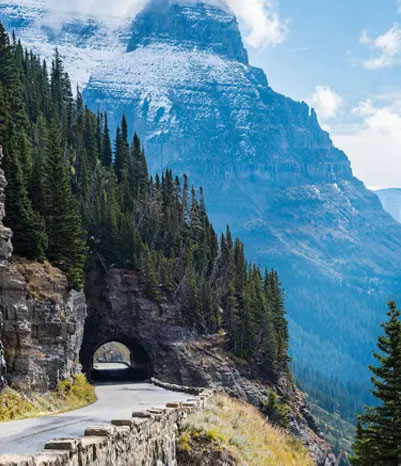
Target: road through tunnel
(119,312)
(119,360)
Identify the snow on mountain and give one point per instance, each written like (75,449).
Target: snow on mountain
(84,42)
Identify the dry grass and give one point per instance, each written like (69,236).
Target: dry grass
(70,395)
(45,282)
(240,429)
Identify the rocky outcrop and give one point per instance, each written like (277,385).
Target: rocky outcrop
(43,325)
(3,367)
(201,26)
(119,311)
(5,254)
(147,439)
(41,320)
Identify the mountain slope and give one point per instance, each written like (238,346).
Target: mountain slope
(180,72)
(391,201)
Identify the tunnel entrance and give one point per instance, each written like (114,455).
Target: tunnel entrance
(115,361)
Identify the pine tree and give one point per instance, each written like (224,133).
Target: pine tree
(67,248)
(378,437)
(121,158)
(107,154)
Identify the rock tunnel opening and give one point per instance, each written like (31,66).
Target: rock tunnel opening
(116,361)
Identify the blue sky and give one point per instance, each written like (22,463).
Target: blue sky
(344,57)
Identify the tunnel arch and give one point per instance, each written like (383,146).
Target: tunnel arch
(140,361)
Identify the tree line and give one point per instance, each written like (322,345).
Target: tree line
(79,201)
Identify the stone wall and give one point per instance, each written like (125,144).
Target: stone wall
(147,439)
(41,319)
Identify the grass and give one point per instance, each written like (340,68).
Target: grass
(70,395)
(241,430)
(44,282)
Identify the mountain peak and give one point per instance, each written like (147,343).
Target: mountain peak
(190,24)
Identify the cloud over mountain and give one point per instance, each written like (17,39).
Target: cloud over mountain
(260,19)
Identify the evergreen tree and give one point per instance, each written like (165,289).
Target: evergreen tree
(67,248)
(378,436)
(107,155)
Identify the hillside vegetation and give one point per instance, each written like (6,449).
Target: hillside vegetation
(70,395)
(232,432)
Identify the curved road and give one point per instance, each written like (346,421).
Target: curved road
(114,402)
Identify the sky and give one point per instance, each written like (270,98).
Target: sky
(343,57)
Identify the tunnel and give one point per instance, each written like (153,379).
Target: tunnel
(119,360)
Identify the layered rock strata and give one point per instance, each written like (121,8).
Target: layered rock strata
(41,320)
(5,254)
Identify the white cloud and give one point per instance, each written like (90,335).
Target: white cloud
(387,47)
(384,121)
(259,19)
(374,146)
(325,101)
(97,7)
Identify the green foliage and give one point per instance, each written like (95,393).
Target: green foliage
(76,392)
(277,410)
(378,433)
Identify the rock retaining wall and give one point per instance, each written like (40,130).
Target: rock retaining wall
(147,439)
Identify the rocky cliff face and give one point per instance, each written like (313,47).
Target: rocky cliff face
(41,320)
(43,326)
(5,254)
(119,311)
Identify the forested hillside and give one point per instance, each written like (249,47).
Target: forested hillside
(75,201)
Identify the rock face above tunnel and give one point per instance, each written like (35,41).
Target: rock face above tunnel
(119,311)
(41,320)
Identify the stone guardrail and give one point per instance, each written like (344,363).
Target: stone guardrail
(147,439)
(180,388)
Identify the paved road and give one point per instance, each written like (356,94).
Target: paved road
(111,366)
(114,402)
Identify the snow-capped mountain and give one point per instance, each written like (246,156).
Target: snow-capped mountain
(180,73)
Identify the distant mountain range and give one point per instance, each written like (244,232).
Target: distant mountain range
(180,73)
(391,201)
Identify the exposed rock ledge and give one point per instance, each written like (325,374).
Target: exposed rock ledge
(41,319)
(5,254)
(43,325)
